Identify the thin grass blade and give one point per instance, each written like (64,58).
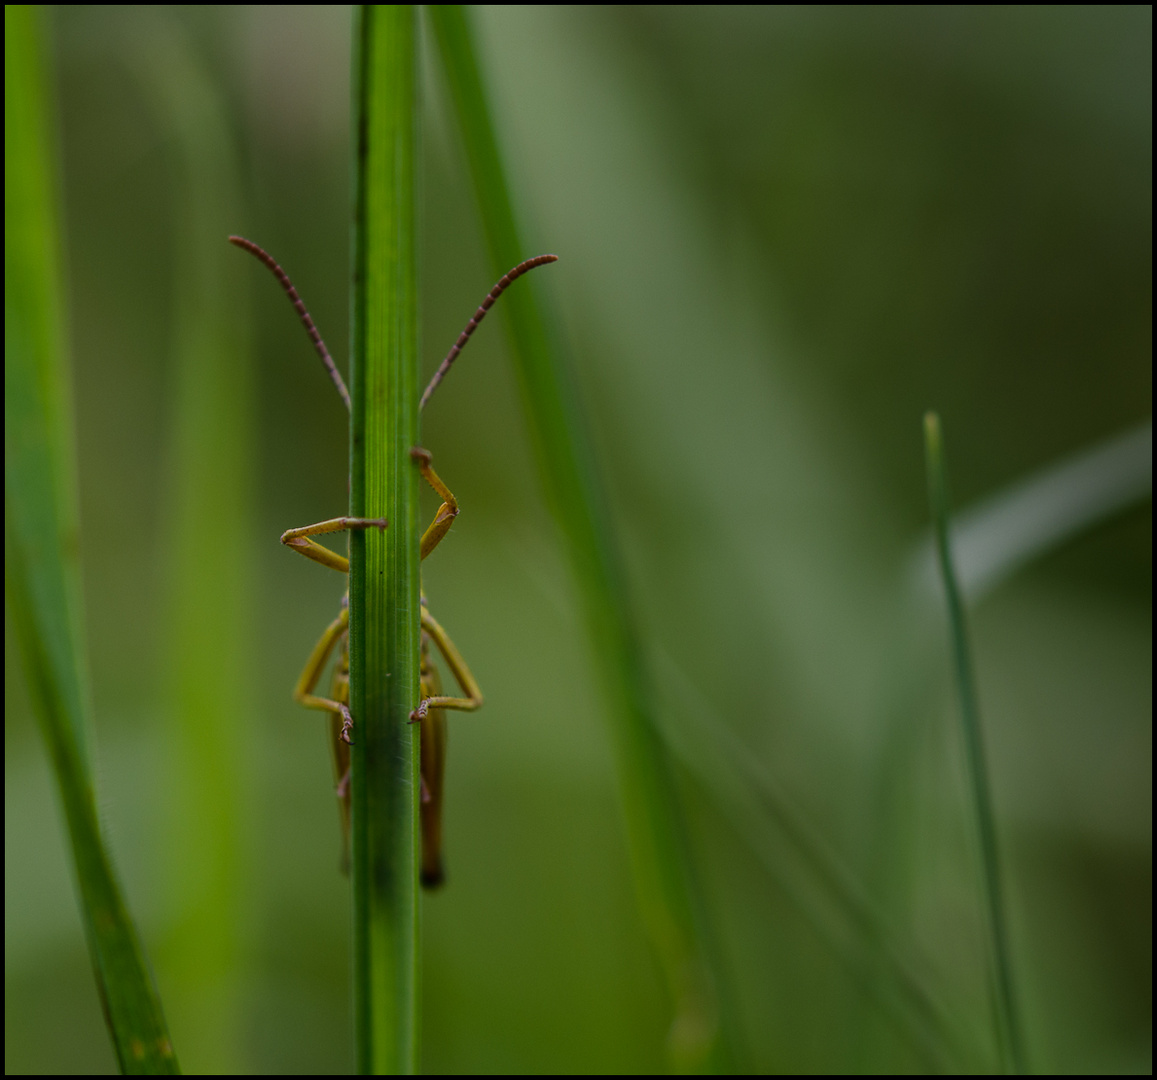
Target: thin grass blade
(1009,1038)
(41,538)
(998,536)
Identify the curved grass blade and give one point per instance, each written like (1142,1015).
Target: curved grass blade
(1009,1037)
(659,851)
(384,588)
(997,536)
(41,531)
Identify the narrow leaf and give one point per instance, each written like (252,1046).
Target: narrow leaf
(41,538)
(1007,1025)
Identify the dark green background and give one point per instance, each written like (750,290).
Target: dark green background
(783,235)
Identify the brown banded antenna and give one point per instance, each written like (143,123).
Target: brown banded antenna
(318,344)
(478,316)
(302,313)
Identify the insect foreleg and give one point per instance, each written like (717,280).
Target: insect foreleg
(447,512)
(299,539)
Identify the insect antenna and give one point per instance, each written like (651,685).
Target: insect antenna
(302,313)
(478,316)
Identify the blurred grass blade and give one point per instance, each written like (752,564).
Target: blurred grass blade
(208,660)
(41,538)
(384,585)
(1007,1024)
(815,880)
(658,846)
(994,538)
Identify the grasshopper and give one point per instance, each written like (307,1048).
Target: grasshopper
(430,713)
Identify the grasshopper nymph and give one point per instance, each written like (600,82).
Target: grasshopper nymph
(430,713)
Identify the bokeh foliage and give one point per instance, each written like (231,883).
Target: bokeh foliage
(785,233)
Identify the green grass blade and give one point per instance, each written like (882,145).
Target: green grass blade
(1008,1029)
(384,583)
(208,660)
(657,842)
(810,874)
(41,531)
(999,535)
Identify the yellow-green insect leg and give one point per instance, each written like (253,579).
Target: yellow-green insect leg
(298,539)
(447,512)
(457,665)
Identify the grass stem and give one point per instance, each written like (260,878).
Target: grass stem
(1009,1037)
(384,582)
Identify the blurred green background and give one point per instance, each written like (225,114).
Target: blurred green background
(784,234)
